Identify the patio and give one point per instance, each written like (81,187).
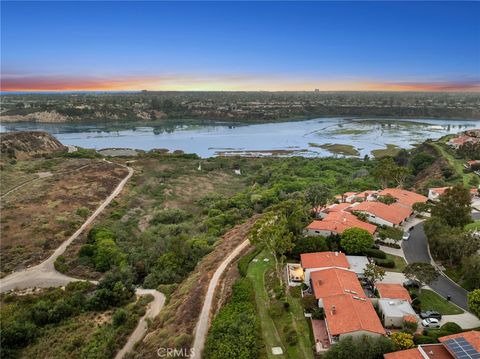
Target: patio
(320,334)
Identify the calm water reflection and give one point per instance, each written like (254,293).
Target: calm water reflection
(206,139)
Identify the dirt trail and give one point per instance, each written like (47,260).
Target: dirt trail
(44,275)
(154,308)
(201,329)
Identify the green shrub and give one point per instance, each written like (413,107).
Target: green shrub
(386,263)
(375,253)
(61,265)
(244,262)
(119,317)
(291,337)
(423,339)
(170,216)
(452,327)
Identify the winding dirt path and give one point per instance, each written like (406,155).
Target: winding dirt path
(44,275)
(154,308)
(201,329)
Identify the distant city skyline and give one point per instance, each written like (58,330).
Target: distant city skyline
(246,46)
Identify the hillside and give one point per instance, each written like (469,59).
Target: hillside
(24,145)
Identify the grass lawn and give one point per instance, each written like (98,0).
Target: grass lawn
(272,327)
(473,226)
(400,263)
(455,163)
(430,300)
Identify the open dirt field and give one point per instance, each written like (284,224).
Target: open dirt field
(41,214)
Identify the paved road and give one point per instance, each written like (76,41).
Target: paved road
(44,275)
(201,329)
(416,250)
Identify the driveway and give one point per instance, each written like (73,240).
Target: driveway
(466,320)
(416,250)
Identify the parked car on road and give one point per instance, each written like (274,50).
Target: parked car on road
(431,323)
(430,314)
(406,236)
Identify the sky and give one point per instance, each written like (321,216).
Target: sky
(271,46)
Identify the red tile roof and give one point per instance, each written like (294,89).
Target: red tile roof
(334,281)
(432,351)
(404,354)
(393,213)
(365,194)
(393,291)
(339,221)
(345,314)
(473,337)
(337,207)
(324,259)
(406,198)
(441,190)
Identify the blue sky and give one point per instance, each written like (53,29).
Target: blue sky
(239,45)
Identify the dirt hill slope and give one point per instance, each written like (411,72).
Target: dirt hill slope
(23,145)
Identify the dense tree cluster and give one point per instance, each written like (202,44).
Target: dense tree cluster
(235,331)
(447,238)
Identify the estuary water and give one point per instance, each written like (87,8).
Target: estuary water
(308,138)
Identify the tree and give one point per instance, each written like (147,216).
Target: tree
(383,170)
(471,271)
(386,170)
(356,240)
(474,302)
(373,273)
(271,232)
(360,348)
(318,195)
(400,175)
(402,340)
(423,273)
(421,161)
(309,245)
(454,207)
(420,207)
(450,244)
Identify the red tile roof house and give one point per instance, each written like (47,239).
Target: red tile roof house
(348,312)
(312,262)
(348,315)
(438,351)
(435,193)
(393,291)
(460,140)
(337,222)
(403,197)
(385,215)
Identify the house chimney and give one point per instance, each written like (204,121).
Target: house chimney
(333,309)
(336,254)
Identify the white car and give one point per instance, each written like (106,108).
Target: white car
(431,323)
(406,236)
